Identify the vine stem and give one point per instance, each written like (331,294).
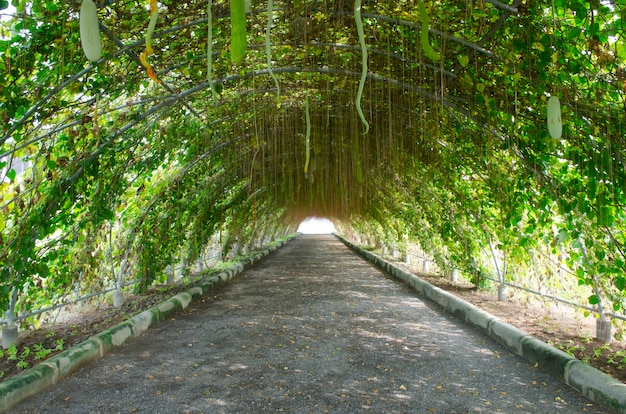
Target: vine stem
(359,27)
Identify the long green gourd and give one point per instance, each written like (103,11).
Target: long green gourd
(268,44)
(154,16)
(209,48)
(428,49)
(359,94)
(238,39)
(307,116)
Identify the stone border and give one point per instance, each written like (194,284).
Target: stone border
(589,381)
(52,370)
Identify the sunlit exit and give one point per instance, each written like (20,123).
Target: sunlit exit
(316,225)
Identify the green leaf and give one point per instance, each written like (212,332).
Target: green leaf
(620,282)
(574,33)
(464,60)
(593,299)
(4,4)
(605,216)
(600,254)
(539,46)
(621,49)
(11,174)
(51,164)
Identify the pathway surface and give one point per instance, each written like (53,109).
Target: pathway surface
(311,328)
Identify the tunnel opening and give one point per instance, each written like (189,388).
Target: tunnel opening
(316,225)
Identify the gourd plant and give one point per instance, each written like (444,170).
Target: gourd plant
(458,154)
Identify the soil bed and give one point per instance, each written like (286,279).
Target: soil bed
(553,323)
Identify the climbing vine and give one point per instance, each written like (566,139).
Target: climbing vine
(106,174)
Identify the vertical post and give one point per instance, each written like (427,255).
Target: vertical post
(118,298)
(9,336)
(172,270)
(604,330)
(604,327)
(454,276)
(502,288)
(118,295)
(9,332)
(503,293)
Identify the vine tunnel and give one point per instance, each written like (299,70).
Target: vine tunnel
(418,121)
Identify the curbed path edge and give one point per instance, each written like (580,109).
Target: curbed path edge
(589,381)
(49,372)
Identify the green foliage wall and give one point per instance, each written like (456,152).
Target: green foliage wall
(127,174)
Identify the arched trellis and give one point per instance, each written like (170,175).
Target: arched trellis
(434,125)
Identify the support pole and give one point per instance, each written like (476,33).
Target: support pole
(9,332)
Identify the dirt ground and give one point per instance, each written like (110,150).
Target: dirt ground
(552,323)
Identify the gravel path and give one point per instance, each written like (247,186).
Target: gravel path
(311,328)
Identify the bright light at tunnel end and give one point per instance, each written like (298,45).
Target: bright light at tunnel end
(316,225)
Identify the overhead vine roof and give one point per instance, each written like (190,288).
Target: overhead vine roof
(422,124)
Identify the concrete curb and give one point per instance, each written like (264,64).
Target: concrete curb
(51,371)
(589,381)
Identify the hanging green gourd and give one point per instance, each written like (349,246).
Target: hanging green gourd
(209,48)
(238,40)
(268,44)
(359,28)
(90,31)
(555,125)
(428,49)
(307,116)
(154,15)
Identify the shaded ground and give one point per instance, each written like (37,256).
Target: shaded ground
(311,328)
(553,323)
(557,325)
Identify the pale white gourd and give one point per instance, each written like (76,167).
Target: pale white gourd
(555,124)
(89,30)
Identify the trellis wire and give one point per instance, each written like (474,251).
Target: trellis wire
(86,297)
(558,299)
(549,296)
(71,302)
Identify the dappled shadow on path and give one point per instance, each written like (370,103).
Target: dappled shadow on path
(311,328)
